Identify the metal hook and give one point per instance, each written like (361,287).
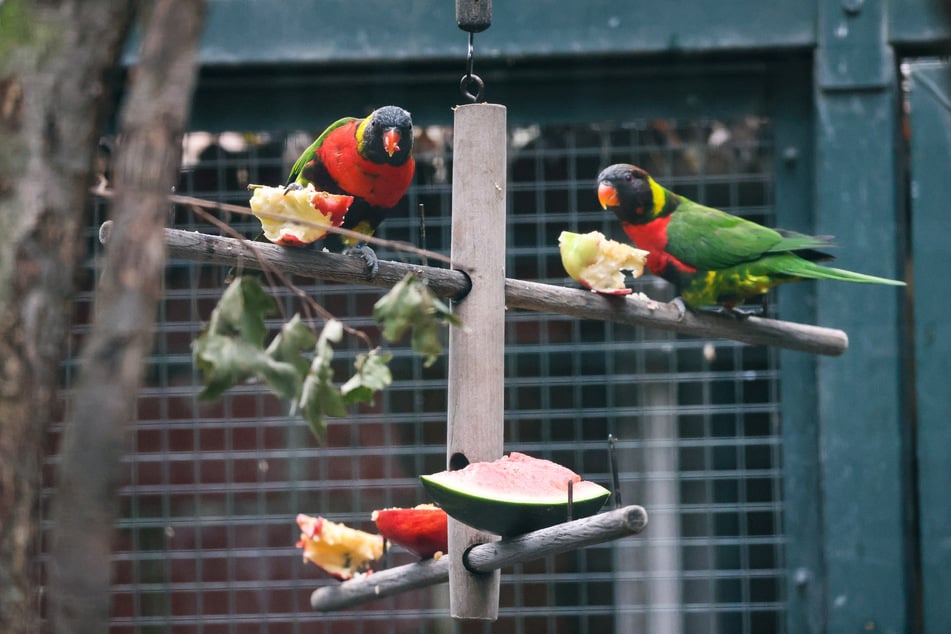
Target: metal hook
(479,87)
(615,479)
(471,78)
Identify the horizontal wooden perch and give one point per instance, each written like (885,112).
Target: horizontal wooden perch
(587,531)
(518,293)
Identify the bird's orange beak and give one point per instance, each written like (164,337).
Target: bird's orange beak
(607,195)
(391,141)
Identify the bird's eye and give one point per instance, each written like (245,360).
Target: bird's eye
(628,177)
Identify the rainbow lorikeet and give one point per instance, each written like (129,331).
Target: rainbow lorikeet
(369,159)
(715,259)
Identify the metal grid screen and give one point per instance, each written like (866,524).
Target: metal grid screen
(206,534)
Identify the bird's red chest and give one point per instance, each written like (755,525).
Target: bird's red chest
(652,237)
(379,185)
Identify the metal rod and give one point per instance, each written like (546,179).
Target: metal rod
(422,231)
(484,558)
(571,501)
(200,247)
(615,475)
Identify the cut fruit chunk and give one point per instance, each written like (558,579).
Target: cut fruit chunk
(598,263)
(340,550)
(319,209)
(514,494)
(420,530)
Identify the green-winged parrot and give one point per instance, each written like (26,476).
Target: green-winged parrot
(369,159)
(713,258)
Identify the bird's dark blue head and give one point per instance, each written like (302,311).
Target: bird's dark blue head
(386,136)
(630,193)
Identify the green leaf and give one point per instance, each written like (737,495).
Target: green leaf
(373,374)
(285,352)
(241,311)
(294,337)
(410,305)
(319,397)
(224,362)
(398,308)
(229,350)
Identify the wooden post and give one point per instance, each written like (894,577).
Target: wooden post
(476,377)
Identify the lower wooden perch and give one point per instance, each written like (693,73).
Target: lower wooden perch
(597,529)
(518,294)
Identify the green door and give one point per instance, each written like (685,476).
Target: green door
(929,93)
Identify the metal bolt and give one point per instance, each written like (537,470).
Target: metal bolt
(801,577)
(852,7)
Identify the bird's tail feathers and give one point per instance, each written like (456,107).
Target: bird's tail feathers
(798,267)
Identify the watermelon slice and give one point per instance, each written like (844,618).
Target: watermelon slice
(420,530)
(514,494)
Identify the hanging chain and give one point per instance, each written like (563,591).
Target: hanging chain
(473,16)
(470,79)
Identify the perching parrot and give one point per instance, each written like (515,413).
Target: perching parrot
(369,159)
(714,259)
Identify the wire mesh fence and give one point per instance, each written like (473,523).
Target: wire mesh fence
(206,531)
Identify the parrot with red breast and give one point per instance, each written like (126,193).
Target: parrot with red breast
(369,159)
(715,259)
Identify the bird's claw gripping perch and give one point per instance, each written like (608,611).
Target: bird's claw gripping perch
(369,257)
(292,186)
(734,312)
(727,311)
(678,303)
(742,313)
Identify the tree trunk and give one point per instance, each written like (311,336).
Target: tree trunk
(57,64)
(113,358)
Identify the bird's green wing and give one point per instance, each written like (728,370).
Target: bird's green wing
(794,241)
(710,239)
(312,149)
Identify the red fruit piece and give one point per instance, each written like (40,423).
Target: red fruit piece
(333,205)
(420,530)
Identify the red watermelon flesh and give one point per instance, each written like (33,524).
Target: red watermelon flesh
(421,530)
(514,477)
(514,494)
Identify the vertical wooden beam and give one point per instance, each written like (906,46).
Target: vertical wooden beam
(862,423)
(476,405)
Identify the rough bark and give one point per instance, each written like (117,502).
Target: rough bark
(57,63)
(113,357)
(521,294)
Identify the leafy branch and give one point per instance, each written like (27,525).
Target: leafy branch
(297,364)
(411,306)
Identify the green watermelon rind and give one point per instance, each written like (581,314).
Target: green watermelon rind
(508,518)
